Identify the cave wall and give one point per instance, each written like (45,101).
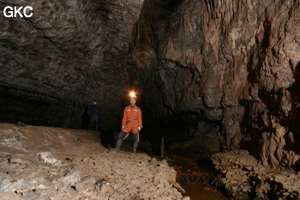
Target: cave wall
(68,51)
(212,75)
(228,71)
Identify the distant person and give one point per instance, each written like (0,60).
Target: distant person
(131,122)
(85,119)
(95,113)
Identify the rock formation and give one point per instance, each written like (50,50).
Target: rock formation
(211,75)
(71,164)
(68,54)
(244,178)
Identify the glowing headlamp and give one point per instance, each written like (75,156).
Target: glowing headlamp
(132,95)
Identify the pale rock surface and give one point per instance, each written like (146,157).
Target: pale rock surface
(56,164)
(242,175)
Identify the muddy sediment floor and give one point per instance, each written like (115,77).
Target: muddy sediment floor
(54,163)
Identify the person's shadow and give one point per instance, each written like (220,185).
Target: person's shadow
(107,138)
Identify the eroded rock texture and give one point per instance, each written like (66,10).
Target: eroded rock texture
(217,75)
(75,166)
(210,75)
(244,178)
(69,54)
(220,71)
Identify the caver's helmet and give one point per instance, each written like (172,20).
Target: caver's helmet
(132,95)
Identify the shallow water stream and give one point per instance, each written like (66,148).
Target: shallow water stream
(193,178)
(199,191)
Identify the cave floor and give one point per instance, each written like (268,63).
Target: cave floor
(54,163)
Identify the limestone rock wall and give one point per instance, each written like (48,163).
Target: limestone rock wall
(70,50)
(222,69)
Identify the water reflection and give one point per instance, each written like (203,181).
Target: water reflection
(198,191)
(194,178)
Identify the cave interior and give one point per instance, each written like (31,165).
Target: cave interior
(211,76)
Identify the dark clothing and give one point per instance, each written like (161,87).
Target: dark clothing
(123,135)
(94,110)
(85,120)
(95,113)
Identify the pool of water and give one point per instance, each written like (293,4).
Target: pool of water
(193,177)
(200,191)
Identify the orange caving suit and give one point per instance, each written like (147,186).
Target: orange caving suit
(132,119)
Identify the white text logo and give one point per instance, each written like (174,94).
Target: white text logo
(18,11)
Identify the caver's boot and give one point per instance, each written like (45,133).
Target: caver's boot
(119,143)
(135,145)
